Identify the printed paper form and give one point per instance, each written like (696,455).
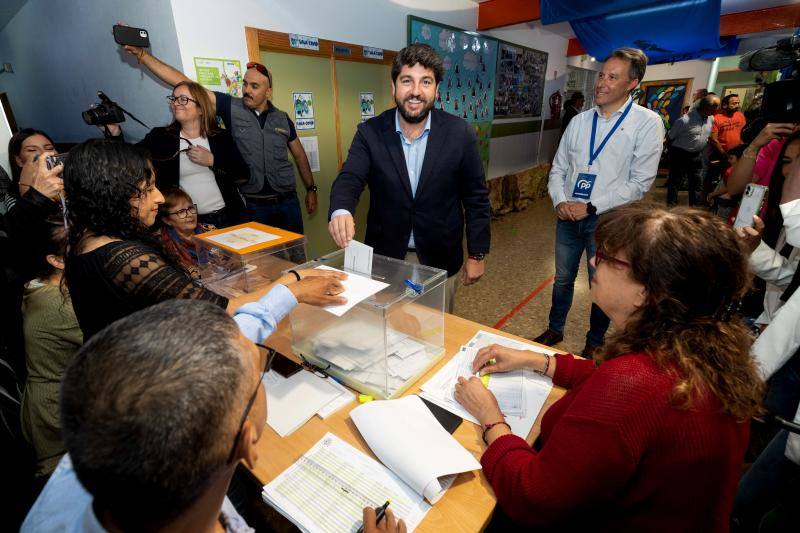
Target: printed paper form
(327,489)
(439,389)
(356,289)
(508,387)
(243,238)
(358,258)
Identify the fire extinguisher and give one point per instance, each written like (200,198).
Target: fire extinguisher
(555,105)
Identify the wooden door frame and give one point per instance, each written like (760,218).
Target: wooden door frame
(275,41)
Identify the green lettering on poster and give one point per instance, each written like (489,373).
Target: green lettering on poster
(207,75)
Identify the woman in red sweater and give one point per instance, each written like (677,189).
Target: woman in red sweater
(653,438)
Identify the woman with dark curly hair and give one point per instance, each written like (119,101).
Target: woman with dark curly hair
(116,264)
(654,437)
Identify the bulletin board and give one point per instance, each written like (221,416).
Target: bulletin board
(519,86)
(467,89)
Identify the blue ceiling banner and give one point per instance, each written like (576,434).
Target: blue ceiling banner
(666,31)
(553,11)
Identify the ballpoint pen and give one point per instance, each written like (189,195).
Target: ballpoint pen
(381,511)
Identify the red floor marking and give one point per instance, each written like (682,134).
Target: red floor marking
(524,302)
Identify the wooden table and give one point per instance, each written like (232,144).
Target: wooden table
(467,505)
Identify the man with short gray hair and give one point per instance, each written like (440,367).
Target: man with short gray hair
(608,157)
(688,139)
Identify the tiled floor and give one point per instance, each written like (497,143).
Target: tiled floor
(521,259)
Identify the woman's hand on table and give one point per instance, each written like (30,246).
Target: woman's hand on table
(496,358)
(478,400)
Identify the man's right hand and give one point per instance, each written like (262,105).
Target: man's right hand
(318,290)
(387,525)
(343,229)
(563,211)
(114,129)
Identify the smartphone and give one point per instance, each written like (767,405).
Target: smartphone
(284,366)
(55,160)
(752,199)
(125,35)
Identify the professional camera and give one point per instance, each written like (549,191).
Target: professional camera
(780,100)
(106,112)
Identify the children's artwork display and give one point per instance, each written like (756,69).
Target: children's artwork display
(303,111)
(665,98)
(520,81)
(467,88)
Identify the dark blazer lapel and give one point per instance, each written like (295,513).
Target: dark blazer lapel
(395,148)
(432,150)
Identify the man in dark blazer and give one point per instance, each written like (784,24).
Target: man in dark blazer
(425,178)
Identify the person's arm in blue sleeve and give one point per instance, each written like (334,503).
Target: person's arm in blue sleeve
(258,320)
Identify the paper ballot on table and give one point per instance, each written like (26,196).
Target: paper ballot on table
(356,289)
(408,439)
(293,401)
(358,258)
(345,397)
(327,488)
(439,389)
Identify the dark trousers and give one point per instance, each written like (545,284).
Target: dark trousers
(572,239)
(283,214)
(219,219)
(684,164)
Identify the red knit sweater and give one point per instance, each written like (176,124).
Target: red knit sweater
(615,455)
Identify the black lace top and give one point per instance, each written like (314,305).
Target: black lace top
(122,277)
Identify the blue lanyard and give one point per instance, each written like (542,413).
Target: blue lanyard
(592,154)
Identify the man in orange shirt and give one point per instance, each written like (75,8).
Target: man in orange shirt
(727,129)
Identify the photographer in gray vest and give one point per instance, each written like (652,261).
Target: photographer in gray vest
(264,134)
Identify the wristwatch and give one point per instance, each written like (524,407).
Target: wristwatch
(592,210)
(477,257)
(313,188)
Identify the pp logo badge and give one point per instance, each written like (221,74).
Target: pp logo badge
(584,185)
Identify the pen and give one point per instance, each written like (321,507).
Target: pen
(378,516)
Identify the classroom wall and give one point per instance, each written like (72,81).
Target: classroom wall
(63,53)
(698,70)
(382,24)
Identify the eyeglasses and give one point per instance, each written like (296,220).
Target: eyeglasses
(180,100)
(185,212)
(267,365)
(262,69)
(600,256)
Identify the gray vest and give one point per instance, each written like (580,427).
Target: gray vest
(264,150)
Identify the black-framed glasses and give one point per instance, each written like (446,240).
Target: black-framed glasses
(262,69)
(267,365)
(180,100)
(599,256)
(185,212)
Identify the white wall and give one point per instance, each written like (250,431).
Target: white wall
(697,70)
(209,28)
(63,53)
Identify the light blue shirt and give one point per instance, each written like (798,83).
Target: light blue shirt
(66,507)
(414,153)
(257,320)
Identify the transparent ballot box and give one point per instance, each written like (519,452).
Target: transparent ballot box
(244,258)
(386,342)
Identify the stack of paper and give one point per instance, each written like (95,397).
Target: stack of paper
(328,487)
(409,440)
(520,394)
(292,401)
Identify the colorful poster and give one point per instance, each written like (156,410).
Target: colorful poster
(520,81)
(467,89)
(303,111)
(223,75)
(367,105)
(666,98)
